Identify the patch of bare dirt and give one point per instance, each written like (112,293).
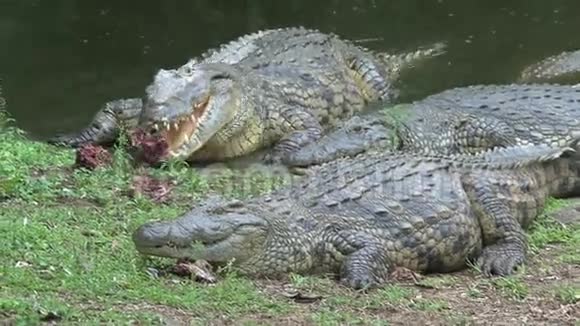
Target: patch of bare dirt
(168,315)
(464,298)
(476,298)
(468,299)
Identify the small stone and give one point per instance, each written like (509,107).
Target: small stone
(22,264)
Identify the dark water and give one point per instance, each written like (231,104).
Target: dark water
(60,59)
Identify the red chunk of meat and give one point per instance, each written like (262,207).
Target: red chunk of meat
(151,148)
(92,156)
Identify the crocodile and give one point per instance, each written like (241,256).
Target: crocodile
(563,68)
(280,88)
(359,218)
(461,120)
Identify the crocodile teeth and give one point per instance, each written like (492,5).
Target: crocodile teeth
(175,125)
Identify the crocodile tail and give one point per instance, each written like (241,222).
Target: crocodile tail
(400,61)
(393,65)
(523,155)
(106,125)
(373,78)
(561,68)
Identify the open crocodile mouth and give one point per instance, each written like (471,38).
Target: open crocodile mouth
(178,133)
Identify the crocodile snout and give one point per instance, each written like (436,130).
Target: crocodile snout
(153,234)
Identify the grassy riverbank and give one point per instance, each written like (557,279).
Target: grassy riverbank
(67,258)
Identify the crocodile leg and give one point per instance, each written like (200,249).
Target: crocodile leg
(504,240)
(466,135)
(366,265)
(359,134)
(477,134)
(395,65)
(301,128)
(364,133)
(329,148)
(106,125)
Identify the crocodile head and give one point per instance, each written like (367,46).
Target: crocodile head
(188,106)
(218,232)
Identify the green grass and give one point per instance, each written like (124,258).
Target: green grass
(67,255)
(545,231)
(437,282)
(66,245)
(512,287)
(568,293)
(430,305)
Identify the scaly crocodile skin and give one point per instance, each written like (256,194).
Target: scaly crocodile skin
(360,217)
(283,88)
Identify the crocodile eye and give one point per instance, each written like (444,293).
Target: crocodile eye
(235,204)
(357,128)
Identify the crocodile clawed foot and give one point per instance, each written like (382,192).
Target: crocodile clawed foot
(273,157)
(500,260)
(359,282)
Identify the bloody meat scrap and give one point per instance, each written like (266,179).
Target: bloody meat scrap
(92,156)
(199,270)
(150,148)
(157,190)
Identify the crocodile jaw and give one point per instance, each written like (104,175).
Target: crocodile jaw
(187,109)
(198,235)
(180,133)
(218,111)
